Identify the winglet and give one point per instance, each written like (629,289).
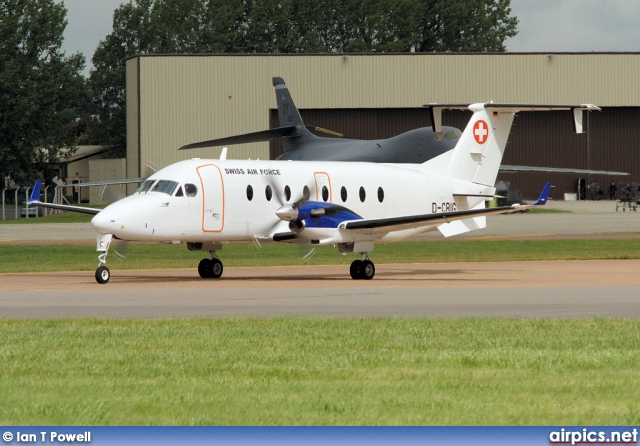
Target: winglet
(35,194)
(544,195)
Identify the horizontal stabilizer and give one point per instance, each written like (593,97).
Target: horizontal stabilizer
(506,169)
(435,111)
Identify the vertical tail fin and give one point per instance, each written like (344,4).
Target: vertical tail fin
(287,112)
(478,154)
(289,117)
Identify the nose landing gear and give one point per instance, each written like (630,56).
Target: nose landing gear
(102,245)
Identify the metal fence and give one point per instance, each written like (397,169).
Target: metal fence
(15,202)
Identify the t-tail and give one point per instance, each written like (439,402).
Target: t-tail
(478,153)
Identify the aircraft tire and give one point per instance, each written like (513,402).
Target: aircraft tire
(216,269)
(102,274)
(355,269)
(205,268)
(368,270)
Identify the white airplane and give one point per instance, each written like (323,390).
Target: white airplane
(207,203)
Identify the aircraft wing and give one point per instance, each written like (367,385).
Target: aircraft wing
(105,182)
(264,135)
(391,224)
(34,200)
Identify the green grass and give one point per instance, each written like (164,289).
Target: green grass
(546,210)
(63,217)
(35,258)
(320,371)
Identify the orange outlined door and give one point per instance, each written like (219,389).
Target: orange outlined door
(212,198)
(323,187)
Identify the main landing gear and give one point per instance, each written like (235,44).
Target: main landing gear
(362,269)
(210,268)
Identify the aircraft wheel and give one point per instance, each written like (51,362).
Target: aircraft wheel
(355,269)
(102,274)
(216,268)
(368,270)
(205,268)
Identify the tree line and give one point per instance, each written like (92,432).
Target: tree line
(46,104)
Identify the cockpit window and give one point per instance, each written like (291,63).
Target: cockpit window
(179,193)
(191,190)
(165,186)
(145,186)
(452,135)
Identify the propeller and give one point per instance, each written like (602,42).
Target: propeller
(288,212)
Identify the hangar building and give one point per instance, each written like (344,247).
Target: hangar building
(173,100)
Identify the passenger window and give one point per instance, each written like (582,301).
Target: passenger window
(268,192)
(380,195)
(287,193)
(363,194)
(343,194)
(191,190)
(306,193)
(249,193)
(179,193)
(325,193)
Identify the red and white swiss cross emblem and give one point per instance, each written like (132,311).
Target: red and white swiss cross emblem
(480,131)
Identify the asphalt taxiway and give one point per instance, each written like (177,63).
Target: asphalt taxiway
(507,289)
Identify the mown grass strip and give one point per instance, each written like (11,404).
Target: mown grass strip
(320,371)
(34,258)
(62,217)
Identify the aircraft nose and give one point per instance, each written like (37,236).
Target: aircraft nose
(103,223)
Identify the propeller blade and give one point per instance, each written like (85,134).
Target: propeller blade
(307,252)
(120,248)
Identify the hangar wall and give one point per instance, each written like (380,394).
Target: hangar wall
(173,100)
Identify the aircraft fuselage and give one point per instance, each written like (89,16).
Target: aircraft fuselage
(213,200)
